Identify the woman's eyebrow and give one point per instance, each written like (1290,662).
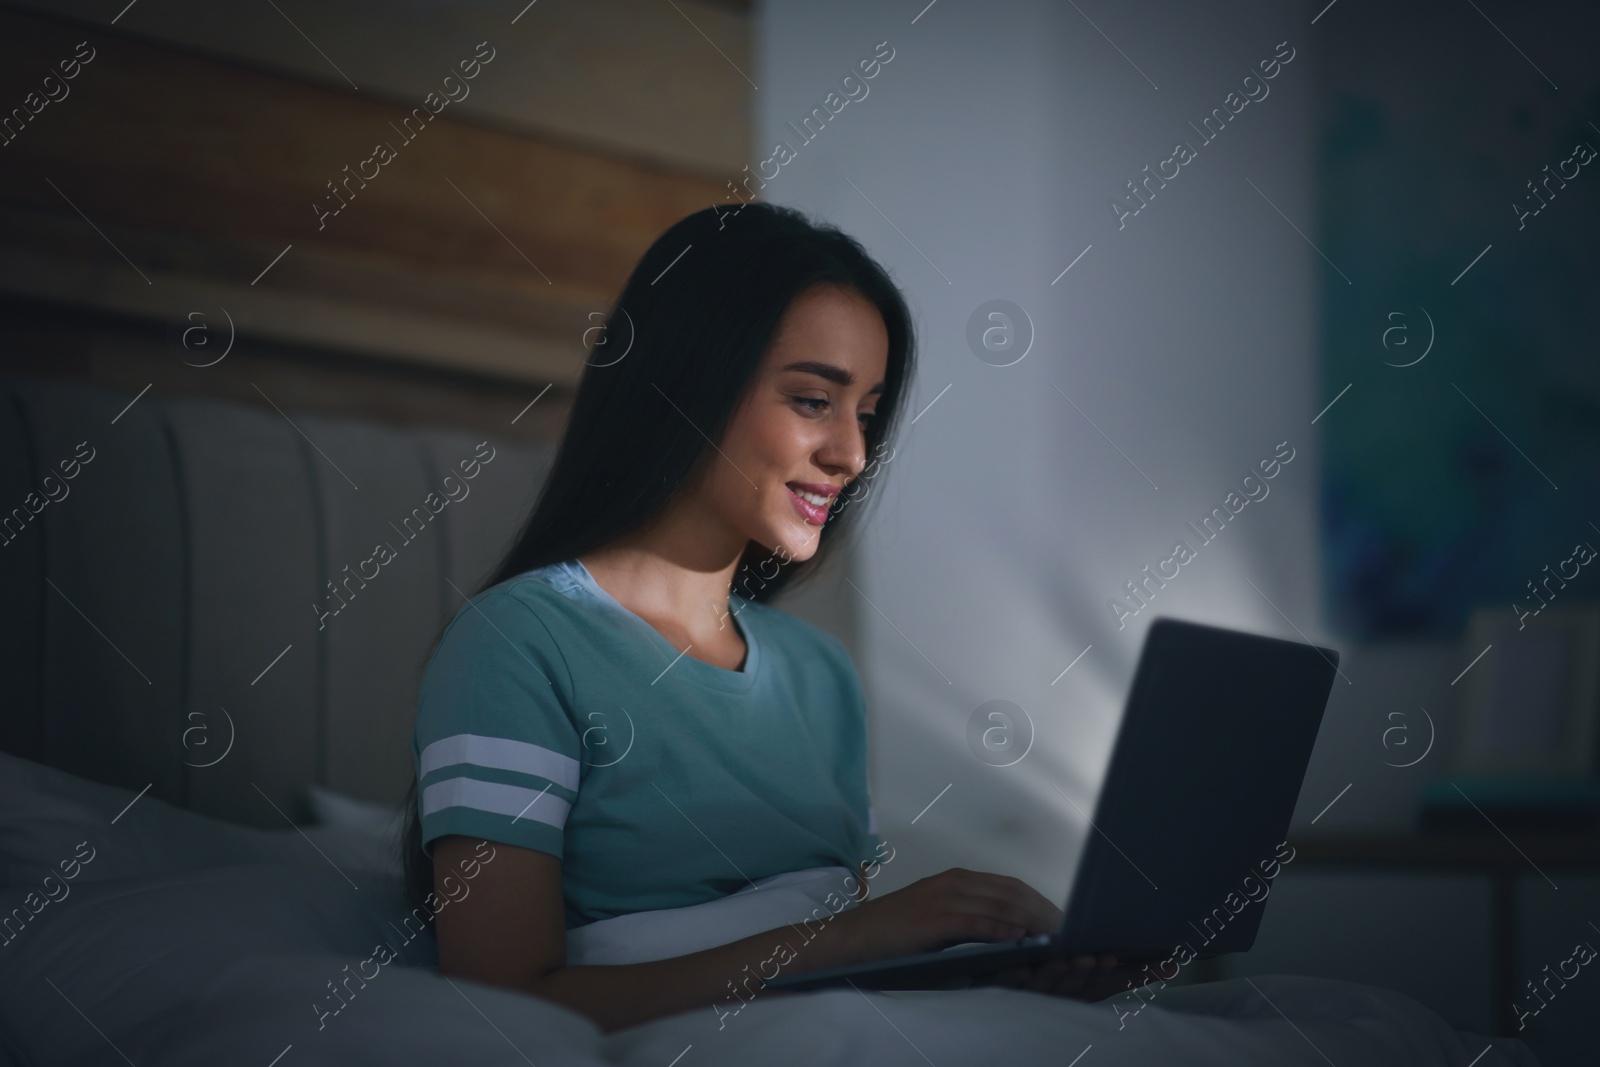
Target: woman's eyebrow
(837,375)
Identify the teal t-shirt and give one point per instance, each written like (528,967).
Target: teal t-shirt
(553,718)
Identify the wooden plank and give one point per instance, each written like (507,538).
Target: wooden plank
(383,315)
(161,138)
(639,79)
(206,172)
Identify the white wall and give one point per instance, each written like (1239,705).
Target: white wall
(991,146)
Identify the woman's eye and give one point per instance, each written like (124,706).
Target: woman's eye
(816,405)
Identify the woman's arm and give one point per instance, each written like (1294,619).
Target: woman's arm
(510,930)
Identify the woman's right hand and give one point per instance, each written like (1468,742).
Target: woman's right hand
(948,908)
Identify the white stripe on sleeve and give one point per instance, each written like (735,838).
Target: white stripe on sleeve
(496,798)
(503,754)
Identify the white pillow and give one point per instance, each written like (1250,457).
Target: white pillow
(351,813)
(49,818)
(190,940)
(363,832)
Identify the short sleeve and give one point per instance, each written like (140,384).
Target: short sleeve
(497,750)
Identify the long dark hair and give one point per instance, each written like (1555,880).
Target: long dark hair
(676,356)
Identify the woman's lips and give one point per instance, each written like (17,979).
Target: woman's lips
(811,513)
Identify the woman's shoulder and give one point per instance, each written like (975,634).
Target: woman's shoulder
(542,589)
(533,606)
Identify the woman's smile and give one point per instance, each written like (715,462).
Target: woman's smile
(812,499)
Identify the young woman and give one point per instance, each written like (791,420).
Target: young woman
(619,712)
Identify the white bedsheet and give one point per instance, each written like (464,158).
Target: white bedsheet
(765,904)
(171,950)
(256,1010)
(1220,1024)
(234,965)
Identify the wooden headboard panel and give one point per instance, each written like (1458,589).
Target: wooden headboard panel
(166,616)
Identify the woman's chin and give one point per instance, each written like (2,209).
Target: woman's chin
(792,547)
(803,546)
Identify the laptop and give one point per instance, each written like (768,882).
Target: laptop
(1204,775)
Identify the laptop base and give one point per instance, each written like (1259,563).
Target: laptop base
(950,969)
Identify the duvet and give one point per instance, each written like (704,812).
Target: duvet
(281,965)
(161,937)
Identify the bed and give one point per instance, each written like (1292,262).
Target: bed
(200,760)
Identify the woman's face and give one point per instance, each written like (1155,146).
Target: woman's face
(801,429)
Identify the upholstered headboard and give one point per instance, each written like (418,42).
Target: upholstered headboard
(166,614)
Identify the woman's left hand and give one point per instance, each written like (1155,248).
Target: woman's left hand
(1083,977)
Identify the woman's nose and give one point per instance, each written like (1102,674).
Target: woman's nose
(846,448)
